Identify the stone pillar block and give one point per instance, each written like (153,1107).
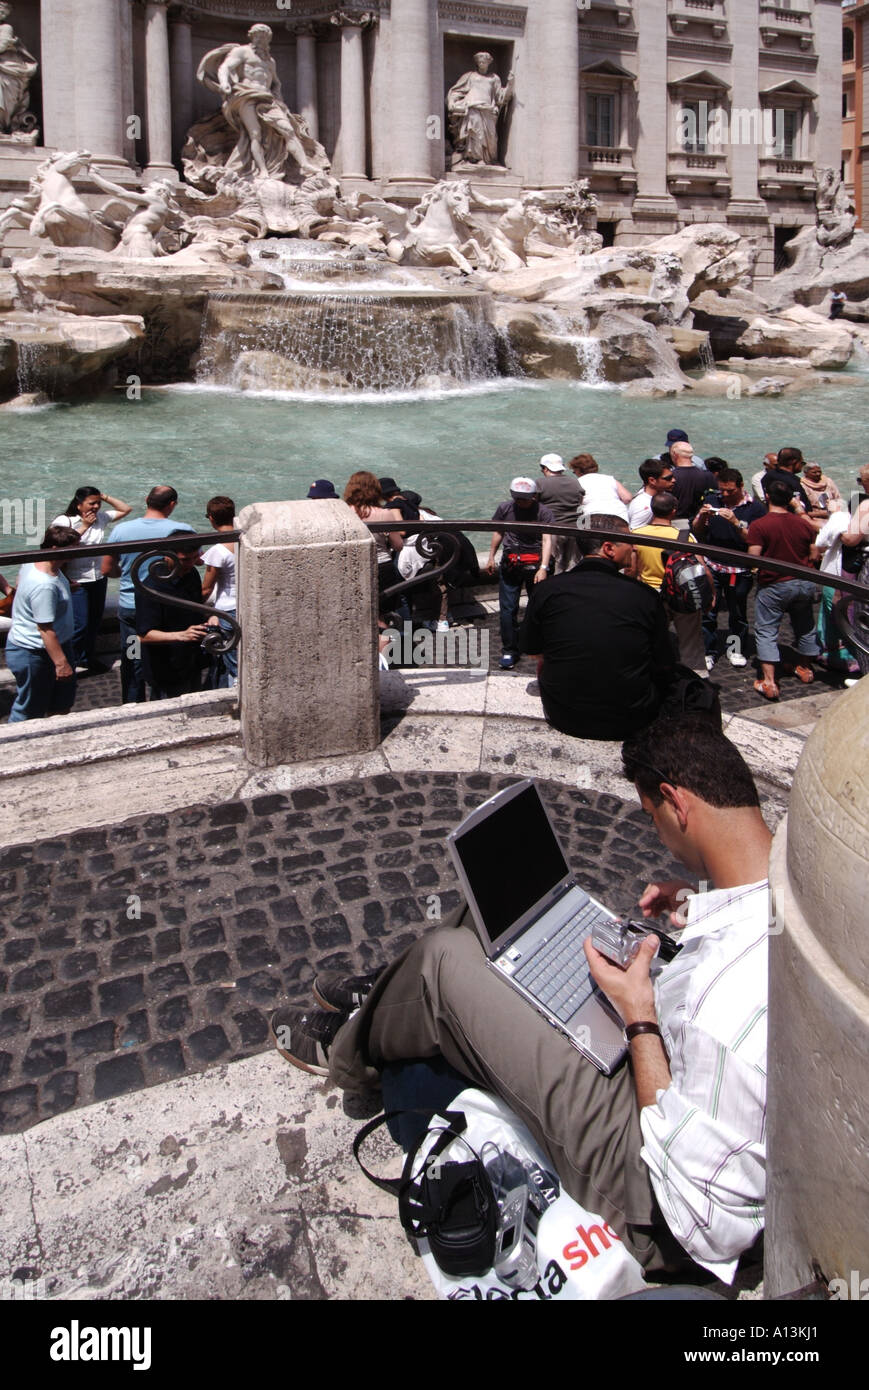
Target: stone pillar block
(308,612)
(818,1152)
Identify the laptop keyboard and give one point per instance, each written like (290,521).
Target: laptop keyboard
(557,974)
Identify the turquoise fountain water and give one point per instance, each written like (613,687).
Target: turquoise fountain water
(459,450)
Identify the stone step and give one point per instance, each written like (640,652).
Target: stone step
(103,735)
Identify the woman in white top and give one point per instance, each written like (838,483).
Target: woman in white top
(219,581)
(604,494)
(89,519)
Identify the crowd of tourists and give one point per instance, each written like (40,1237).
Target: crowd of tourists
(600,610)
(607,660)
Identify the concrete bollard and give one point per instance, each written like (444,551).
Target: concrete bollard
(818,1153)
(308,612)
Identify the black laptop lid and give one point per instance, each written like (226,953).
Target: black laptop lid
(511,860)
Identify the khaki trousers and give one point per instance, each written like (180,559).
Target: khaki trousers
(441,998)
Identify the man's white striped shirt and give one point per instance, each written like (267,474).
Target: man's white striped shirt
(704,1138)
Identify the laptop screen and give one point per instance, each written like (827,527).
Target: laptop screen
(511,859)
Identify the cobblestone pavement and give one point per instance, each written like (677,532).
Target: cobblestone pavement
(158,946)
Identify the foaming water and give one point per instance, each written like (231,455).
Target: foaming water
(495,386)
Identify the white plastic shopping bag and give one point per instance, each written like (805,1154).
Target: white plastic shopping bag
(578,1255)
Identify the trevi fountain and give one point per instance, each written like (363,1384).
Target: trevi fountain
(270,325)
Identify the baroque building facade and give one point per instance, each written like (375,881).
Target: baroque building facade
(675,110)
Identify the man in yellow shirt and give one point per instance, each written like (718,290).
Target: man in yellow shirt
(650,565)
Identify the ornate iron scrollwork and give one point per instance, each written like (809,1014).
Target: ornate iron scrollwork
(219,640)
(442,547)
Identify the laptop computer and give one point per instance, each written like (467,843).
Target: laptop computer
(532,917)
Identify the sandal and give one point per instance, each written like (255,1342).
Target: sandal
(804,674)
(768,689)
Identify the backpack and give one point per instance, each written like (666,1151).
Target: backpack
(687,587)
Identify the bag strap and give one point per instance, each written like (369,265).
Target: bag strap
(456,1123)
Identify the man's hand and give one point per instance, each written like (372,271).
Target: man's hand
(541,575)
(63,670)
(666,897)
(490,566)
(630,991)
(192,634)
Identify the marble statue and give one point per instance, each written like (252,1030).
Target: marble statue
(144,235)
(837,216)
(53,209)
(268,137)
(528,226)
(474,104)
(440,230)
(17,69)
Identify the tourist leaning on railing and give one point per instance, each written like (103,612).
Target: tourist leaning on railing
(39,648)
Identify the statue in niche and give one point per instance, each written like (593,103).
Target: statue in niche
(837,215)
(268,137)
(474,104)
(17,69)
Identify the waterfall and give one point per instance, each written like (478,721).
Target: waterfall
(707,357)
(573,328)
(38,365)
(343,339)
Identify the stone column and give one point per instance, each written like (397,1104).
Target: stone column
(743,97)
(159,92)
(96,57)
(352,141)
(57,23)
(306,78)
(559,87)
(818,1214)
(308,612)
(653,199)
(409,158)
(181,76)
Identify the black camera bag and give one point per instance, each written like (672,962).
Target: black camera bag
(449,1204)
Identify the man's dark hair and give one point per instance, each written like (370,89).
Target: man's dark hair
(730,475)
(691,753)
(779,494)
(220,510)
(653,468)
(664,504)
(587,543)
(59,538)
(789,458)
(716,465)
(160,498)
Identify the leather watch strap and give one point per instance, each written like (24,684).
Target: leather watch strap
(634,1030)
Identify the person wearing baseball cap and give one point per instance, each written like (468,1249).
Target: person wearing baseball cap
(563,494)
(321,489)
(395,498)
(525,560)
(679,437)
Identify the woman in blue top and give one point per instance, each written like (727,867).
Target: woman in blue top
(39,650)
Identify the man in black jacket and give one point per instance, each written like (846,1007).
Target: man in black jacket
(171,646)
(607,659)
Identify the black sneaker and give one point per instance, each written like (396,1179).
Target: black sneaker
(342,993)
(304,1036)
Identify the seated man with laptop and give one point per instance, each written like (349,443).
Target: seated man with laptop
(670,1148)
